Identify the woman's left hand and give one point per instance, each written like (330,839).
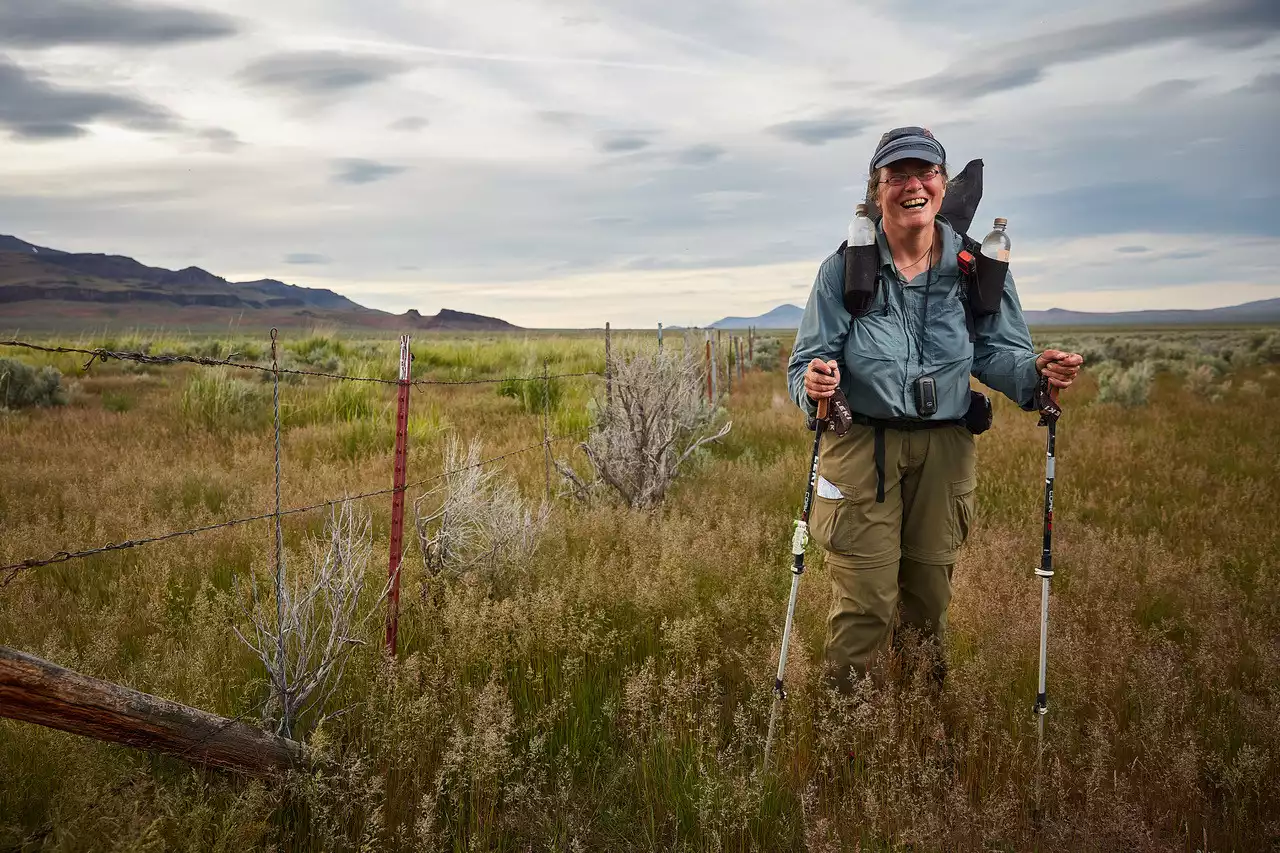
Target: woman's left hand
(1061,367)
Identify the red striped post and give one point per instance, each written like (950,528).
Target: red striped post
(397,496)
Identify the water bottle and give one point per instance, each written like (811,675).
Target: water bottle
(862,231)
(996,245)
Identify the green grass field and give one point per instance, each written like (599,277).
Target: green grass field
(611,690)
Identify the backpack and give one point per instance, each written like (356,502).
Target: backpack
(981,278)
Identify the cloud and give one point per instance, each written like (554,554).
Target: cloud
(409,124)
(319,73)
(358,171)
(220,139)
(560,118)
(1012,65)
(1263,84)
(622,143)
(820,131)
(1132,250)
(49,23)
(1168,90)
(305,258)
(699,155)
(34,109)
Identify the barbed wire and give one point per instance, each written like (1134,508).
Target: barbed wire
(100,354)
(13,569)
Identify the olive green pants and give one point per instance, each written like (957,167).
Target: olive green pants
(895,557)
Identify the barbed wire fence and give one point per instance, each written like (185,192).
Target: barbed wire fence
(737,358)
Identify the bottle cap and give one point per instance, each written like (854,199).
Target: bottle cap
(1001,222)
(860,210)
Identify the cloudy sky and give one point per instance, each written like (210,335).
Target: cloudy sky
(562,163)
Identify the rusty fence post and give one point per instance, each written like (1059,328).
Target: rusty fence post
(397,496)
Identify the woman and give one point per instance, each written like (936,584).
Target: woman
(895,496)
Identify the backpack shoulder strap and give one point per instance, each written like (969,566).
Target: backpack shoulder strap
(967,260)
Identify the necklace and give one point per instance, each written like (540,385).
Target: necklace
(928,253)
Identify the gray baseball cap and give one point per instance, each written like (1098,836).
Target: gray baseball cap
(904,143)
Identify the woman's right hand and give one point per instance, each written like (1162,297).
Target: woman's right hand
(821,379)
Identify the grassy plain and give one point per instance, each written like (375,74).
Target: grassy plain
(612,692)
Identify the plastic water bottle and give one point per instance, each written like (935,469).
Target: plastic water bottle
(862,231)
(996,245)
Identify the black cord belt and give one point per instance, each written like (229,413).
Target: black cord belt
(903,424)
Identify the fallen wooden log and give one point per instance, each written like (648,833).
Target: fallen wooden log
(37,691)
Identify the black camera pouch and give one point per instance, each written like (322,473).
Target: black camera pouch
(978,417)
(860,268)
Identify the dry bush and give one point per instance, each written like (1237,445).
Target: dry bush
(305,633)
(658,419)
(22,385)
(474,520)
(1128,386)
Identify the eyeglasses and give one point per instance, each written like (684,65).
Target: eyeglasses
(897,179)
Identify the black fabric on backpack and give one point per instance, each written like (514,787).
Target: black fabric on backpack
(964,191)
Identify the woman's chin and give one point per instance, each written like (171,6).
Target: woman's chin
(921,218)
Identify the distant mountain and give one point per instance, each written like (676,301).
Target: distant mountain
(782,317)
(1262,311)
(40,286)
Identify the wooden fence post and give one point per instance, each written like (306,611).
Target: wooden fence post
(711,399)
(715,367)
(34,690)
(728,368)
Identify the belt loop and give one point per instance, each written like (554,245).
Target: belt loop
(879,464)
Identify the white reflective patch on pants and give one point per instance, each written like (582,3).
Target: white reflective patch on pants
(827,489)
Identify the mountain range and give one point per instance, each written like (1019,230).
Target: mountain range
(45,287)
(1261,311)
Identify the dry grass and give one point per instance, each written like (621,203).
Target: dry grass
(612,692)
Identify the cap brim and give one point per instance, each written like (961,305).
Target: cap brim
(929,155)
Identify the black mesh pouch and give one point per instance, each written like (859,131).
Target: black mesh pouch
(985,297)
(860,267)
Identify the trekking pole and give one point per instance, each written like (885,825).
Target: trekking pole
(1049,413)
(798,543)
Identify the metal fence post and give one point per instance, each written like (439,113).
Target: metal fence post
(546,415)
(397,496)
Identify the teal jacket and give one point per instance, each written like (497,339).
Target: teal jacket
(880,354)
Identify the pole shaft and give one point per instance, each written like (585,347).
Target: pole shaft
(798,543)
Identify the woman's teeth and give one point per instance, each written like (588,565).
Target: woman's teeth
(915,203)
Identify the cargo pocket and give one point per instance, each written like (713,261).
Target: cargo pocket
(963,497)
(831,521)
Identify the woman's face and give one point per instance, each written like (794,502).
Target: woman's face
(910,193)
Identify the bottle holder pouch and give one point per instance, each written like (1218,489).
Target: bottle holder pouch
(985,298)
(860,268)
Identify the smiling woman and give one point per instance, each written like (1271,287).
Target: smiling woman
(896,490)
